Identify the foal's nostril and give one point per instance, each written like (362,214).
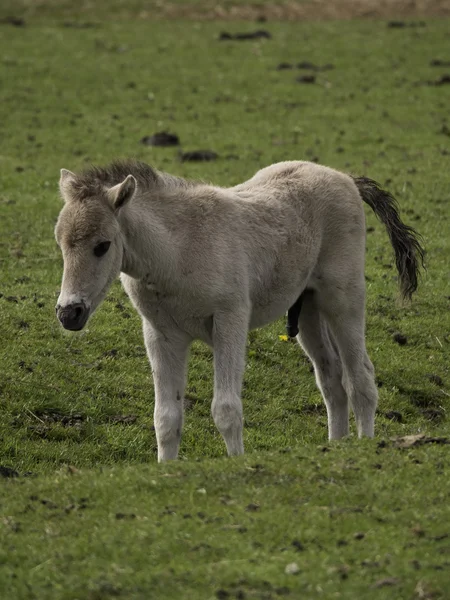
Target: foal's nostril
(73,316)
(77,313)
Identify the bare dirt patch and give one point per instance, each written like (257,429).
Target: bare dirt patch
(226,10)
(299,11)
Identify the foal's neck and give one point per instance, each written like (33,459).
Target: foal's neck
(149,250)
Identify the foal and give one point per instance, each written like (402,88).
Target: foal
(210,263)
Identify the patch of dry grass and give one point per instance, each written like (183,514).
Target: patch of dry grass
(250,10)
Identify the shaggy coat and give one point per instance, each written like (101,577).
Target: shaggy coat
(203,262)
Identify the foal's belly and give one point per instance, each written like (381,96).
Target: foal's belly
(263,315)
(165,311)
(273,300)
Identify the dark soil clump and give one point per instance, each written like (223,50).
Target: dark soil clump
(401,339)
(404,24)
(7,472)
(437,62)
(198,155)
(312,67)
(123,419)
(436,379)
(394,415)
(80,25)
(306,79)
(284,66)
(162,138)
(444,80)
(14,21)
(251,35)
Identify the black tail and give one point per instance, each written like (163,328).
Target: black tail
(409,253)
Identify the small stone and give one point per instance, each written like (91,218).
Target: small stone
(292,569)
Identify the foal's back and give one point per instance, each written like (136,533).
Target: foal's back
(292,206)
(297,175)
(304,195)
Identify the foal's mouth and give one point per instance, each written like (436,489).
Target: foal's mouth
(73,317)
(74,328)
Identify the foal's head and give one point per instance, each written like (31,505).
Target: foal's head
(89,236)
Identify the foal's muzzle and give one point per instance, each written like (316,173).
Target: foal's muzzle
(73,316)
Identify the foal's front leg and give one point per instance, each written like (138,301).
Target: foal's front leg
(229,340)
(167,353)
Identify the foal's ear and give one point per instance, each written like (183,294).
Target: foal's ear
(65,182)
(123,192)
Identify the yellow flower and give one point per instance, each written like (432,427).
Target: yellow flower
(283,338)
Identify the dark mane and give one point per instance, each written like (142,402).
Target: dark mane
(92,181)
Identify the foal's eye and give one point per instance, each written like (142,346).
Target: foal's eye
(102,248)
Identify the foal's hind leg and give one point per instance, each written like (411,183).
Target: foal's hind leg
(344,312)
(315,340)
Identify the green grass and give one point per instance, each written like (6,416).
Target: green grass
(72,96)
(351,520)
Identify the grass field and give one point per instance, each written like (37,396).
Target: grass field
(77,409)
